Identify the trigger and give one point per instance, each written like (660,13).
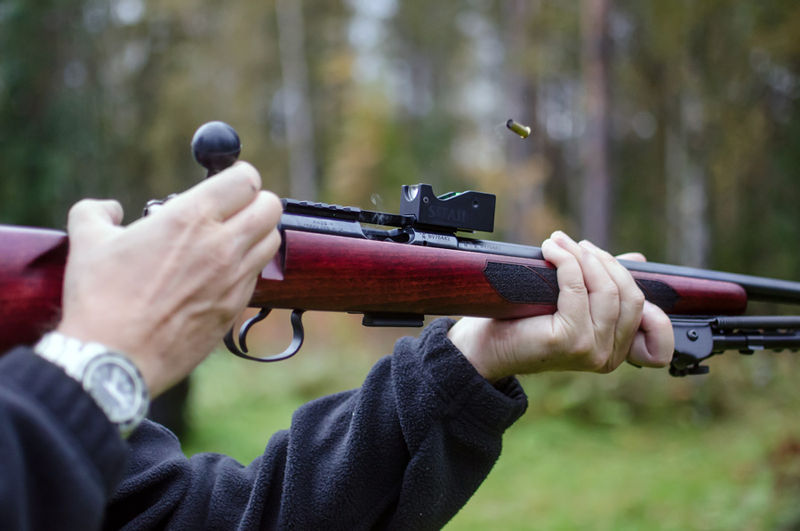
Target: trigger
(298,335)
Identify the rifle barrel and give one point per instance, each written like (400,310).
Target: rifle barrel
(757,288)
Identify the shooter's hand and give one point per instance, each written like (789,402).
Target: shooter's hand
(602,320)
(166,288)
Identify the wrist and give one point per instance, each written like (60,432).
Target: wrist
(118,339)
(467,338)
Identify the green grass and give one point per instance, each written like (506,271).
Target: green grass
(558,474)
(590,453)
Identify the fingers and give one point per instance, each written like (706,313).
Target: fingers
(573,303)
(603,296)
(92,219)
(256,221)
(222,195)
(643,332)
(654,344)
(615,305)
(601,320)
(261,253)
(631,301)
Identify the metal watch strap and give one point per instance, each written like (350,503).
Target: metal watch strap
(69,353)
(74,356)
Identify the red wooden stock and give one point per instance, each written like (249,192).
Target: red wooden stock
(335,273)
(31,274)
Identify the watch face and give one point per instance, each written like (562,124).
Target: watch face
(115,386)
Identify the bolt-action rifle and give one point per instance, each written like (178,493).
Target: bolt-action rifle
(395,269)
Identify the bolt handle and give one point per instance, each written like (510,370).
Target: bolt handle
(216,146)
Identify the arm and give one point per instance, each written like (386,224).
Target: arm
(409,448)
(406,450)
(61,457)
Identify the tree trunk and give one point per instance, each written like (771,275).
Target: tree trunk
(526,176)
(688,232)
(296,99)
(595,142)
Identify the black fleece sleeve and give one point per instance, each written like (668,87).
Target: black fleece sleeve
(405,451)
(60,457)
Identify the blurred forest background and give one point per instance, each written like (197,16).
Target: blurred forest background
(667,127)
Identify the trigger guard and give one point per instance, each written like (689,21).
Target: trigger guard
(298,335)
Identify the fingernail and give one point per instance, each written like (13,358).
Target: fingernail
(549,244)
(251,172)
(590,249)
(588,253)
(562,239)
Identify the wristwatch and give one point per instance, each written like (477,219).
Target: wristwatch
(110,378)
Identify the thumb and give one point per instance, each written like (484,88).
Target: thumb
(93,219)
(655,342)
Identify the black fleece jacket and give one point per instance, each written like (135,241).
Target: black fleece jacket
(404,451)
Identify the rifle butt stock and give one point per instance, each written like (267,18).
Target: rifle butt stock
(31,275)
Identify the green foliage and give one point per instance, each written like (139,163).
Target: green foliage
(49,116)
(105,100)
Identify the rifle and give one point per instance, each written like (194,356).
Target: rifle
(395,269)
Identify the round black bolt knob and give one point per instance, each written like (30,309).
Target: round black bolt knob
(216,146)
